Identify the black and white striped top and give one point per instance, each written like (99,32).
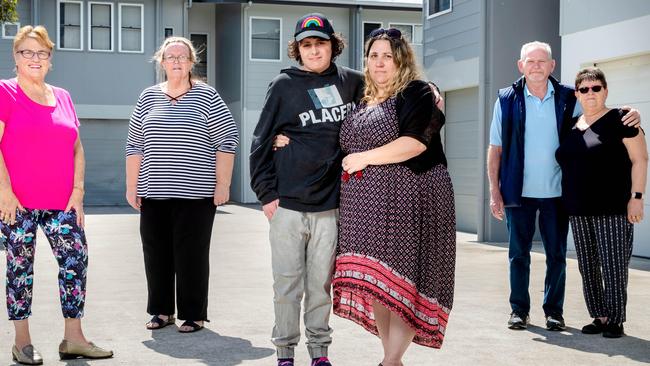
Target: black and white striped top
(178,142)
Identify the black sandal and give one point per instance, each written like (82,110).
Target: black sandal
(190,323)
(160,322)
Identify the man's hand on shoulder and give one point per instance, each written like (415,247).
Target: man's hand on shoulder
(632,118)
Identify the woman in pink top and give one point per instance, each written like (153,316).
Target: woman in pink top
(42,184)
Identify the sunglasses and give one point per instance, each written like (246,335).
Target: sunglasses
(595,88)
(390,32)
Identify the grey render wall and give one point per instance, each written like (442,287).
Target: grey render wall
(453,36)
(452,44)
(507,28)
(451,59)
(579,15)
(102,78)
(228,80)
(6,45)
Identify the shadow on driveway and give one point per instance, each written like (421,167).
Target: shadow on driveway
(629,347)
(205,346)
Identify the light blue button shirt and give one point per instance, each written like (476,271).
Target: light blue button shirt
(542,175)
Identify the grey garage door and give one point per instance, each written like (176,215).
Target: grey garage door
(461,148)
(103,142)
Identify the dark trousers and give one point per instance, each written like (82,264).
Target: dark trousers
(604,247)
(554,227)
(176,242)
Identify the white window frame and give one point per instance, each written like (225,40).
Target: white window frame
(58,25)
(207,41)
(363,26)
(451,6)
(173,31)
(412,25)
(90,26)
(119,27)
(4,35)
(250,40)
(362,41)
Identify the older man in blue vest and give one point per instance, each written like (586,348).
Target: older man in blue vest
(524,176)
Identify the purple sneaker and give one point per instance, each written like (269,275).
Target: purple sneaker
(285,362)
(321,361)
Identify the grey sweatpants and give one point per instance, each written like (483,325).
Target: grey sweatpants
(303,246)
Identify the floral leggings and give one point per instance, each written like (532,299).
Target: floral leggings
(68,244)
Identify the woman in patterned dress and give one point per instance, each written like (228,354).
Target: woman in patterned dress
(397,241)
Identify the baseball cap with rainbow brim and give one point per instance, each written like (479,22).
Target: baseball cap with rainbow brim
(313,25)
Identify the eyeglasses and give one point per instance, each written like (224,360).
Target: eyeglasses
(29,54)
(390,32)
(173,59)
(595,88)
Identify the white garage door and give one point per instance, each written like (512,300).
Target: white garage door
(628,81)
(461,148)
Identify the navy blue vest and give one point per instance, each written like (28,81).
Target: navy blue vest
(513,122)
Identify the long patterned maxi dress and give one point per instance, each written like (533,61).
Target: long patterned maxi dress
(397,238)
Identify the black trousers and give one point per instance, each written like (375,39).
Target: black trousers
(176,243)
(604,248)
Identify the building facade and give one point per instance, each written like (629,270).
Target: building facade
(104,48)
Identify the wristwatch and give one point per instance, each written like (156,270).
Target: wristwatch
(637,195)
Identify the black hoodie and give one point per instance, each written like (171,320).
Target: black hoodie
(308,108)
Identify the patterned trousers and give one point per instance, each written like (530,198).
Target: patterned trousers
(68,244)
(604,247)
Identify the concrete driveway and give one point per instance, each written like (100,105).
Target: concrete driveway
(242,314)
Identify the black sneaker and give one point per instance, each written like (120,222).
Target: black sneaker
(555,322)
(595,327)
(518,321)
(613,330)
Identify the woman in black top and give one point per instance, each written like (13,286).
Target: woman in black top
(604,166)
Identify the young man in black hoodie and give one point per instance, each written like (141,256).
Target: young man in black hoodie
(298,185)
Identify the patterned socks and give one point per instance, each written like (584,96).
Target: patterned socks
(320,361)
(285,361)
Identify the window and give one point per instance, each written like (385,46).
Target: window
(70,25)
(266,34)
(438,7)
(100,32)
(200,42)
(131,25)
(9,30)
(369,27)
(169,32)
(411,32)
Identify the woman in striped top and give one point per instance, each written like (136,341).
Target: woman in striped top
(179,159)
